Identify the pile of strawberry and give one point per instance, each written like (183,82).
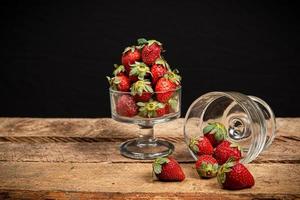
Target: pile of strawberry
(216,157)
(148,79)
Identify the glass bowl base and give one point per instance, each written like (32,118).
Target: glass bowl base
(142,149)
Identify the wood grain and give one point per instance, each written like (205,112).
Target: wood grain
(79,159)
(59,195)
(281,151)
(275,179)
(60,140)
(108,128)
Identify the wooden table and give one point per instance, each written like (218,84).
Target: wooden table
(79,159)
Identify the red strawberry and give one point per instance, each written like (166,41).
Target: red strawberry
(119,70)
(166,86)
(201,146)
(120,83)
(129,56)
(159,69)
(168,109)
(126,106)
(235,176)
(152,109)
(207,166)
(167,169)
(215,133)
(133,79)
(139,70)
(162,111)
(225,150)
(141,90)
(151,50)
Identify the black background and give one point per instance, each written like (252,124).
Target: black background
(55,56)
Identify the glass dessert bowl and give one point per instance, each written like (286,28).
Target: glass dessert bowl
(124,108)
(248,121)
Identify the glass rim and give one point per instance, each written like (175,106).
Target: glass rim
(121,92)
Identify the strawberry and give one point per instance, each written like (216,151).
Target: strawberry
(152,109)
(151,50)
(207,166)
(139,70)
(162,111)
(225,150)
(120,83)
(167,169)
(166,86)
(159,69)
(141,90)
(119,70)
(129,56)
(201,146)
(235,176)
(126,106)
(133,79)
(215,133)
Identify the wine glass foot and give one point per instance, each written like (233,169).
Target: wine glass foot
(142,149)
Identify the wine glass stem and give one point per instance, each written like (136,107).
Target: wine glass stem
(147,133)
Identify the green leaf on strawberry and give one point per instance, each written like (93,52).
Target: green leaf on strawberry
(118,69)
(157,165)
(235,145)
(225,168)
(139,69)
(173,76)
(163,62)
(217,129)
(173,103)
(141,86)
(193,145)
(132,49)
(142,41)
(150,42)
(150,109)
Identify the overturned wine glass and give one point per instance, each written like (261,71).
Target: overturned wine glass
(249,121)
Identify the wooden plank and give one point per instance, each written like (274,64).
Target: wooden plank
(283,150)
(74,152)
(37,127)
(271,179)
(108,128)
(58,195)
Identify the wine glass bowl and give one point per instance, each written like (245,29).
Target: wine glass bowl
(248,120)
(131,110)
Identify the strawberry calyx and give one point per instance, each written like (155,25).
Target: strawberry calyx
(207,169)
(141,86)
(139,69)
(161,61)
(216,129)
(118,69)
(235,145)
(194,145)
(148,109)
(157,164)
(143,41)
(131,48)
(173,103)
(150,42)
(173,76)
(113,82)
(225,168)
